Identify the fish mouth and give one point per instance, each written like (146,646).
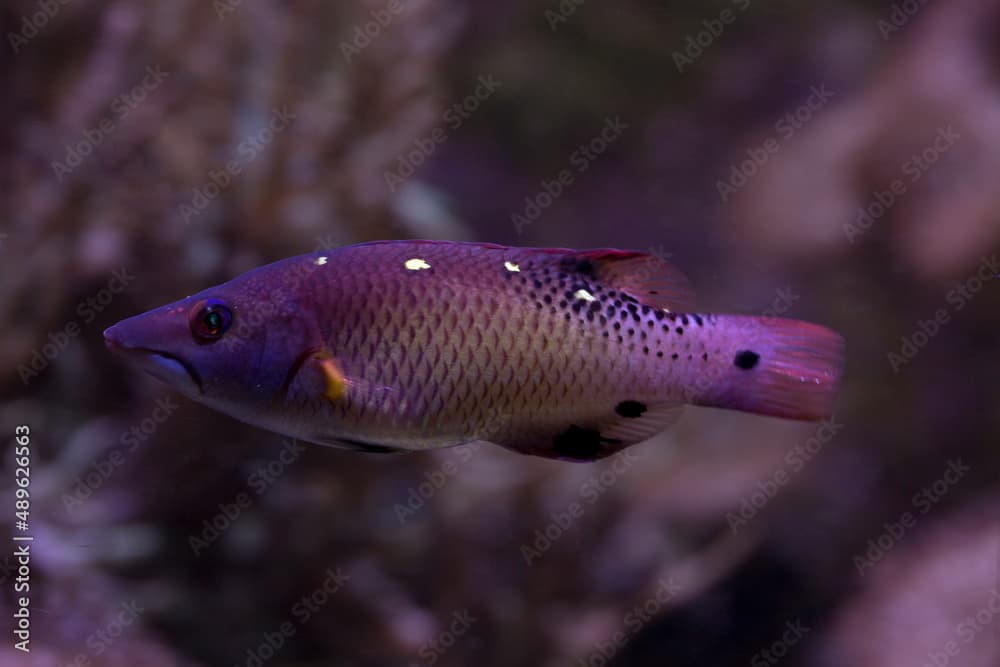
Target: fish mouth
(162,365)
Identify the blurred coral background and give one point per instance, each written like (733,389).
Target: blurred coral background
(835,162)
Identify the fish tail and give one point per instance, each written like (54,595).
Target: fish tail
(778,367)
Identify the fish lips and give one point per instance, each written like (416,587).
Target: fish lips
(162,365)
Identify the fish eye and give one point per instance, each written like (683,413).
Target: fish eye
(210,319)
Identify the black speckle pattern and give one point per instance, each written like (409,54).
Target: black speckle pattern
(570,293)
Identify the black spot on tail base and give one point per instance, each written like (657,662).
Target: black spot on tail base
(746,359)
(630,409)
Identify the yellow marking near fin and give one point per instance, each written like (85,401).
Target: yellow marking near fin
(335,380)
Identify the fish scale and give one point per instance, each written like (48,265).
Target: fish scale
(414,345)
(572,321)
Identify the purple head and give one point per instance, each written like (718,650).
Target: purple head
(233,347)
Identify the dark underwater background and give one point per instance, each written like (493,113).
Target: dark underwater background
(831,161)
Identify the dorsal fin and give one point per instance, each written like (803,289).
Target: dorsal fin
(650,280)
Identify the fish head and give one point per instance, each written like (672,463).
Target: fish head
(232,347)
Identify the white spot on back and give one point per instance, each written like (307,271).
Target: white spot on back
(416,264)
(320,261)
(511,266)
(584,294)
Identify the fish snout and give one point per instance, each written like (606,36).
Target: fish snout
(113,338)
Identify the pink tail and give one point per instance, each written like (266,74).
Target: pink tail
(778,367)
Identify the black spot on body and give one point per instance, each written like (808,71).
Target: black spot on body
(630,409)
(581,443)
(746,359)
(680,331)
(698,320)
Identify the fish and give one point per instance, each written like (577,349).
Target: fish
(392,346)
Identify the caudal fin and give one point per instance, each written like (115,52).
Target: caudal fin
(778,367)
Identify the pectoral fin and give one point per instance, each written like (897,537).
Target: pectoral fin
(335,383)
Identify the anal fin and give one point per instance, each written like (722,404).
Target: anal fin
(631,422)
